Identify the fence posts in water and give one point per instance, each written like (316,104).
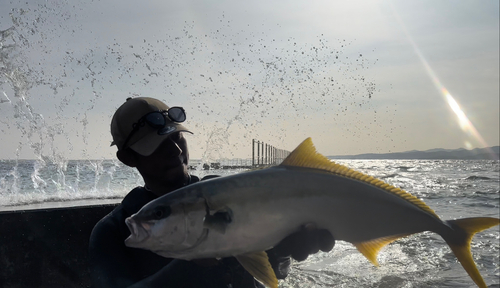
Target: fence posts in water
(266,154)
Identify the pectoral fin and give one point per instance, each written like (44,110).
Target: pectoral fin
(218,222)
(371,248)
(257,264)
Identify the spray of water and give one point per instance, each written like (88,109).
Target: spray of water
(236,85)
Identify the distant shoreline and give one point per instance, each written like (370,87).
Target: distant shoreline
(489,153)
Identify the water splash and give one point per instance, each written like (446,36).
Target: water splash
(30,182)
(236,84)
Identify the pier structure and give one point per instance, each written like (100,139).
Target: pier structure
(264,154)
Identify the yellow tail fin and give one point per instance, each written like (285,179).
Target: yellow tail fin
(459,242)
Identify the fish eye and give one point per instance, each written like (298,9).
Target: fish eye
(161,212)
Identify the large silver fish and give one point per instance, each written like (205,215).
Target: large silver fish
(245,214)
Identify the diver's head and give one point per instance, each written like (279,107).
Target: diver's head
(148,135)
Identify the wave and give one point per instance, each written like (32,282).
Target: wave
(403,168)
(389,176)
(477,178)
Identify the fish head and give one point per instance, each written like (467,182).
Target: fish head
(168,228)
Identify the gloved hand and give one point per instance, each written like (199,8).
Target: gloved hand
(308,240)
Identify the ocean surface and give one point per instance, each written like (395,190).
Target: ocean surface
(453,188)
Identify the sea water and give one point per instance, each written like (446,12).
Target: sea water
(453,188)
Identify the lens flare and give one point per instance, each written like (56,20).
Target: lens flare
(462,119)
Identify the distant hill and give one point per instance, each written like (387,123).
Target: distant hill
(491,153)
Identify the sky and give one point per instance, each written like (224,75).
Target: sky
(355,76)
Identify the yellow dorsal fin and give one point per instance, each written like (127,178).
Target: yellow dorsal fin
(257,264)
(371,248)
(305,155)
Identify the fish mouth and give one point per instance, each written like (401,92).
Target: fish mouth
(139,232)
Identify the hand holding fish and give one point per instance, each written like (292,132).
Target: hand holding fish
(308,240)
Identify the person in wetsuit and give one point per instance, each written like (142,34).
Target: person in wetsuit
(149,137)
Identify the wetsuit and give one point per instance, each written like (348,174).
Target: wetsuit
(112,264)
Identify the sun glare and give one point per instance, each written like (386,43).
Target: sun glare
(463,120)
